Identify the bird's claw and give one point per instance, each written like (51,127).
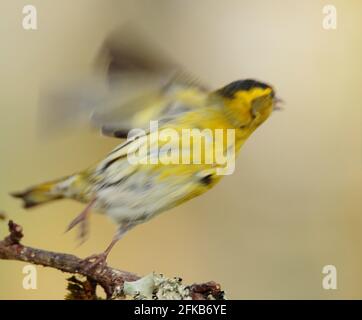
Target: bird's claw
(94,261)
(82,220)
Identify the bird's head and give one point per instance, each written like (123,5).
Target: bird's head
(248,102)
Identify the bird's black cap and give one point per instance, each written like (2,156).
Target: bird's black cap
(229,90)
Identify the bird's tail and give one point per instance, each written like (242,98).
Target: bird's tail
(44,192)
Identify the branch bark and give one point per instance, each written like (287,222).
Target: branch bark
(110,279)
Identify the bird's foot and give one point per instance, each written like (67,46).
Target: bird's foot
(82,220)
(95,261)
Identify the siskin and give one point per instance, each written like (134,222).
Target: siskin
(133,193)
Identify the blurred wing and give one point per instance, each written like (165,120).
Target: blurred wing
(133,86)
(162,103)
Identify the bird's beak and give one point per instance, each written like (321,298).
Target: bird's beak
(277,104)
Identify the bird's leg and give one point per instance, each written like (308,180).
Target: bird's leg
(100,258)
(82,218)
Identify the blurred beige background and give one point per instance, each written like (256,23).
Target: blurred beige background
(294,203)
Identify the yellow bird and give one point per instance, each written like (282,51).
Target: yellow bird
(167,171)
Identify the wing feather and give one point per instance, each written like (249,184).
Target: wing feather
(135,82)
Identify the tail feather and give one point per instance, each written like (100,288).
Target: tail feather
(39,194)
